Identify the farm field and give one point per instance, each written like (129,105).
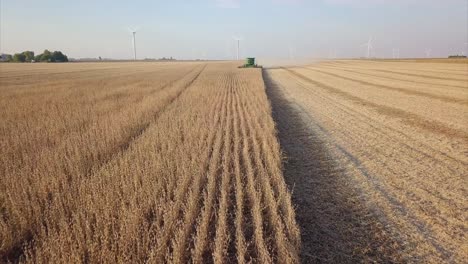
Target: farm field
(141,163)
(341,161)
(376,157)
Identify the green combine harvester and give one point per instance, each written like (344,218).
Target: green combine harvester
(250,63)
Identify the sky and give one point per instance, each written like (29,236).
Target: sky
(204,29)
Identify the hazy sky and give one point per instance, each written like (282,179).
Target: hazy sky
(204,29)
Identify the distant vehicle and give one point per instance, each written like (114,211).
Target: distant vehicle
(250,63)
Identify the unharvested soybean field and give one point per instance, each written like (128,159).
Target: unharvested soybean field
(141,162)
(203,162)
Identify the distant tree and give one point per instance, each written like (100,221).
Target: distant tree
(58,56)
(29,55)
(19,57)
(9,58)
(46,56)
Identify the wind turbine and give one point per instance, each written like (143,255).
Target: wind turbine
(369,46)
(428,52)
(134,45)
(134,31)
(238,39)
(395,53)
(292,52)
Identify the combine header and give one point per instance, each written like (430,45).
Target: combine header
(250,63)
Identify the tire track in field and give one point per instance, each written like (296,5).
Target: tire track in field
(409,118)
(74,76)
(421,75)
(143,95)
(49,74)
(139,131)
(115,109)
(390,78)
(399,65)
(456,73)
(398,89)
(444,71)
(90,162)
(354,66)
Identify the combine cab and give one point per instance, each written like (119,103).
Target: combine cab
(250,63)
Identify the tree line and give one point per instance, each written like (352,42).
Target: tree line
(46,56)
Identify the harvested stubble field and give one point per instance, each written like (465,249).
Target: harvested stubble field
(141,162)
(377,158)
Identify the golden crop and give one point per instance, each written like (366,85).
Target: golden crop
(141,162)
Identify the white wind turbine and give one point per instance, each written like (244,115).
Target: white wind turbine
(133,31)
(237,39)
(369,46)
(292,52)
(396,53)
(428,52)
